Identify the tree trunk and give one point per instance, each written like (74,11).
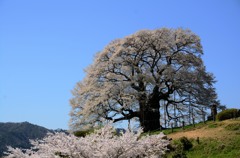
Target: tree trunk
(214,112)
(149,112)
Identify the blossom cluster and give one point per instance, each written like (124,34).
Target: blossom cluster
(103,143)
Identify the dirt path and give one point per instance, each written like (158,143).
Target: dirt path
(204,132)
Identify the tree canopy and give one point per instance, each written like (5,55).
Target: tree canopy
(136,76)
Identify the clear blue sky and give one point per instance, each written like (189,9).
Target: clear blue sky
(46,44)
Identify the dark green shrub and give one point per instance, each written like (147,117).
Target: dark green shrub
(178,152)
(83,133)
(228,114)
(179,147)
(187,144)
(59,154)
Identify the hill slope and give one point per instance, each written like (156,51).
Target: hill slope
(18,135)
(217,139)
(209,130)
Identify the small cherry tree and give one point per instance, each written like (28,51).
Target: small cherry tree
(103,143)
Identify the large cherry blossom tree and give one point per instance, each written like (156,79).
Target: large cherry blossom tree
(131,76)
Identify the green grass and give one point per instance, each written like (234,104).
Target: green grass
(213,148)
(209,124)
(179,129)
(221,141)
(233,126)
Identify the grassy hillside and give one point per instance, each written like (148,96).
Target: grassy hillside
(216,139)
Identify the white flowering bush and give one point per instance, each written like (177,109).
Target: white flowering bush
(103,143)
